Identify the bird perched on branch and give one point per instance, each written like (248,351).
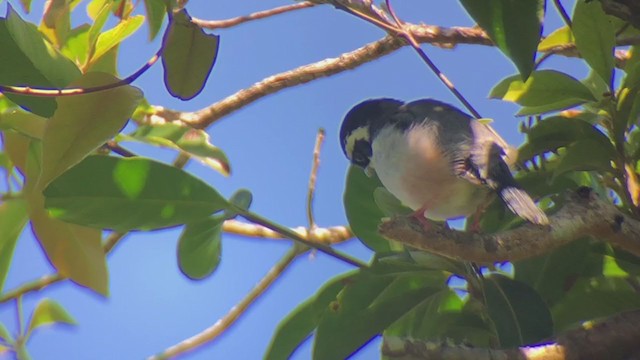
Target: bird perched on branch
(434,158)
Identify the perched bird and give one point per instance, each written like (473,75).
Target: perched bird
(434,158)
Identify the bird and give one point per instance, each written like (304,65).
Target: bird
(436,159)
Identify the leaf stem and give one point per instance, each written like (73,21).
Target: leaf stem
(313,176)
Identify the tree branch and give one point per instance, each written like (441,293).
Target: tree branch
(613,338)
(329,235)
(435,35)
(225,322)
(583,214)
(220,24)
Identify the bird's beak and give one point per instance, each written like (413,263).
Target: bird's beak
(370,171)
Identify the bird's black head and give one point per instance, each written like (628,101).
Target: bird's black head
(355,134)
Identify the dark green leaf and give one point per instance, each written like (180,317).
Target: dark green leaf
(553,274)
(242,199)
(188,57)
(544,91)
(193,141)
(439,317)
(156,11)
(299,324)
(362,212)
(29,60)
(368,305)
(48,312)
(580,156)
(200,247)
(84,122)
(594,37)
(388,203)
(514,26)
(519,314)
(130,193)
(556,132)
(628,107)
(594,298)
(13,217)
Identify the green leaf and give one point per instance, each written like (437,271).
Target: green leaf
(362,212)
(112,37)
(82,123)
(388,203)
(29,60)
(25,123)
(16,146)
(187,139)
(5,335)
(519,314)
(298,325)
(628,106)
(130,193)
(594,298)
(49,312)
(514,26)
(200,247)
(188,57)
(242,199)
(367,306)
(595,37)
(13,217)
(76,47)
(544,91)
(156,11)
(553,274)
(559,37)
(581,156)
(556,132)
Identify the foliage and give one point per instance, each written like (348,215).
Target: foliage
(63,180)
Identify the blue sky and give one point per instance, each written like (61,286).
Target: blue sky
(269,143)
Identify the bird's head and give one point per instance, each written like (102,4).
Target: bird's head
(355,132)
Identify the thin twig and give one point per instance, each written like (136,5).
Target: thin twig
(255,218)
(313,177)
(26,90)
(236,311)
(116,148)
(563,13)
(221,24)
(34,285)
(427,60)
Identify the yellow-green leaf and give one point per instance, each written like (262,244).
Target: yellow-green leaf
(13,217)
(560,37)
(84,122)
(25,123)
(112,37)
(544,91)
(49,312)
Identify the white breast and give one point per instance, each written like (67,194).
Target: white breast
(413,169)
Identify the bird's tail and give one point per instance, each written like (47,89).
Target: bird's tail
(521,204)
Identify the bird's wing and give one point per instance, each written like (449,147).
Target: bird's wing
(486,165)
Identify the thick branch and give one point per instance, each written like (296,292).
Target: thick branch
(435,35)
(583,214)
(614,338)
